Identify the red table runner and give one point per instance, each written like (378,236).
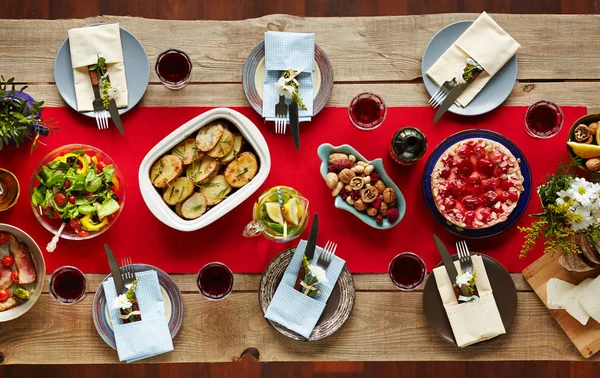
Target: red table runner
(140,235)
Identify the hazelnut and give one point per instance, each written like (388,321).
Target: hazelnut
(337,156)
(360,205)
(593,127)
(383,209)
(346,175)
(332,180)
(593,164)
(350,200)
(389,195)
(352,158)
(358,169)
(369,194)
(368,169)
(337,189)
(380,186)
(356,183)
(371,211)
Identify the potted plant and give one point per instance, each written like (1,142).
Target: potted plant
(20,116)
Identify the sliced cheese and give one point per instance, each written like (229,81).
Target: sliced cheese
(590,299)
(571,302)
(556,291)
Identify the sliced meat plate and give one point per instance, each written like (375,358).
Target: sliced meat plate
(23,261)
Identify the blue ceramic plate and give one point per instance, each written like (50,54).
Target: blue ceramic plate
(170,292)
(523,198)
(495,91)
(137,72)
(326,149)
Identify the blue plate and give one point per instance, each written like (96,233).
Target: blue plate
(495,92)
(523,198)
(137,72)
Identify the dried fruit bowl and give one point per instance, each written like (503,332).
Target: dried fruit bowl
(326,149)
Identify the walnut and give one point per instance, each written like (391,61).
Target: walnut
(346,175)
(336,156)
(583,134)
(593,127)
(389,195)
(593,164)
(371,211)
(380,186)
(369,194)
(360,205)
(356,183)
(383,209)
(332,180)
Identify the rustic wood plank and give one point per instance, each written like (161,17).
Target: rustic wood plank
(387,326)
(568,93)
(551,44)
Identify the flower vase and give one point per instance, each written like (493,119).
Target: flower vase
(36,127)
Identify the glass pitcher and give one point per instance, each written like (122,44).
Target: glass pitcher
(280,214)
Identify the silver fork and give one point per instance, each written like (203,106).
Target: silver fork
(127,271)
(326,255)
(439,96)
(281,114)
(464,256)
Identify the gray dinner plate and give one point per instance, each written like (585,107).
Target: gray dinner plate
(137,72)
(495,91)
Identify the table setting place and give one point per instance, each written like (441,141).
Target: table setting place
(220,191)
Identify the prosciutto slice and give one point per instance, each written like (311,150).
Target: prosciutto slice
(5,280)
(23,261)
(8,304)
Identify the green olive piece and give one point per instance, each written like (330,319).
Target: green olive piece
(21,293)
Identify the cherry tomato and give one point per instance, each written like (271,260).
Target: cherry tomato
(72,200)
(75,224)
(4,294)
(7,261)
(14,275)
(3,238)
(100,165)
(82,233)
(60,199)
(55,214)
(67,184)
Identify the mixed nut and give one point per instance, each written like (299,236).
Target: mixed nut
(359,185)
(586,145)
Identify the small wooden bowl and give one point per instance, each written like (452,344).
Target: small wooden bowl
(13,180)
(586,120)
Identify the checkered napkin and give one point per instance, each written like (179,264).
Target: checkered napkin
(284,51)
(148,337)
(473,321)
(294,310)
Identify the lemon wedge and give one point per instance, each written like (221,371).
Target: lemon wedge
(586,151)
(292,211)
(274,212)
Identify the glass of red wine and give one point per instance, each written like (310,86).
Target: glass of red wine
(407,271)
(543,119)
(215,281)
(68,285)
(367,111)
(173,68)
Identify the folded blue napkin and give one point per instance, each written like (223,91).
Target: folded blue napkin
(148,337)
(294,310)
(285,51)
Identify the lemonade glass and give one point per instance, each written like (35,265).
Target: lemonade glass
(280,214)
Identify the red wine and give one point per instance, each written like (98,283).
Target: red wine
(173,66)
(543,119)
(215,281)
(407,270)
(68,285)
(367,111)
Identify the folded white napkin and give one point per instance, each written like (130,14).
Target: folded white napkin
(485,42)
(473,321)
(86,44)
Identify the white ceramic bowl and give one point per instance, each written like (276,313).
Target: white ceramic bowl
(153,198)
(40,268)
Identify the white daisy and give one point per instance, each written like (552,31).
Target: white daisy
(583,191)
(121,302)
(113,92)
(586,219)
(283,89)
(460,69)
(463,279)
(319,273)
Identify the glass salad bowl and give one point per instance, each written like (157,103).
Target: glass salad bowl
(80,186)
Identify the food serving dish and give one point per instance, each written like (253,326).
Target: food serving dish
(35,288)
(325,150)
(154,199)
(586,120)
(82,183)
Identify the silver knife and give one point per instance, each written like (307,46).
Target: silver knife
(294,124)
(114,270)
(448,263)
(116,117)
(452,96)
(311,245)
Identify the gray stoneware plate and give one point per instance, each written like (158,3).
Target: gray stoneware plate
(503,287)
(336,312)
(493,94)
(137,72)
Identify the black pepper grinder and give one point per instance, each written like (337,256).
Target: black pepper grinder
(408,145)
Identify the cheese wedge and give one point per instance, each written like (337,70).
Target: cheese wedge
(571,302)
(590,300)
(556,291)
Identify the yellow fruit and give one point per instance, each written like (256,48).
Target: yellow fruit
(586,151)
(274,212)
(292,211)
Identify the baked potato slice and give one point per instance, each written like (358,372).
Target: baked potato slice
(187,151)
(224,146)
(165,170)
(209,135)
(194,206)
(216,190)
(241,170)
(201,171)
(237,147)
(178,191)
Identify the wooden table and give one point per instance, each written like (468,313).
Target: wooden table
(559,61)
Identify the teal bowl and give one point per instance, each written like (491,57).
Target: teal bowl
(327,149)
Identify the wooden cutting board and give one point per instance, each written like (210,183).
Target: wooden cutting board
(586,338)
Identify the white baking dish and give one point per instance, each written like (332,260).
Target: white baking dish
(153,198)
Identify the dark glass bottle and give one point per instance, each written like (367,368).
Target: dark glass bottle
(408,145)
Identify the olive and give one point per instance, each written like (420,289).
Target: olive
(115,197)
(71,160)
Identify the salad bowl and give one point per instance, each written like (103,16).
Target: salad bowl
(327,149)
(91,198)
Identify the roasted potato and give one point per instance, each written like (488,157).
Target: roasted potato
(241,170)
(209,135)
(178,191)
(187,151)
(224,146)
(237,147)
(216,190)
(194,206)
(165,171)
(201,171)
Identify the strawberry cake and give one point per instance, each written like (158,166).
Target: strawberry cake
(476,183)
